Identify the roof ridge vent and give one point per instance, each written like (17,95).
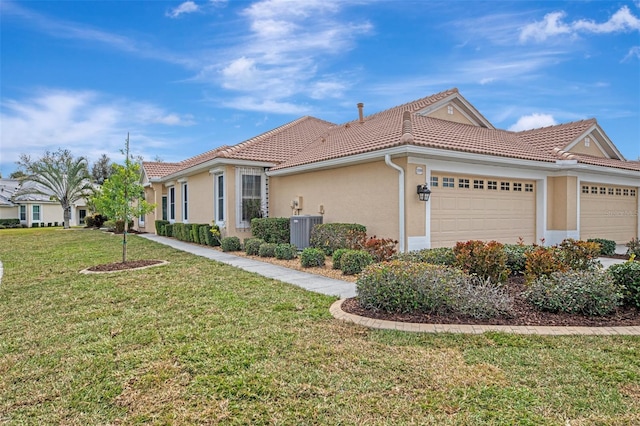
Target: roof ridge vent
(407,128)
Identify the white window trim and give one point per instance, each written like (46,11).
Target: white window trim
(185,202)
(20,211)
(252,171)
(171,213)
(33,213)
(216,208)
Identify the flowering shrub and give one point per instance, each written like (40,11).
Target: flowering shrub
(633,248)
(488,261)
(410,287)
(381,249)
(516,257)
(435,256)
(337,255)
(354,261)
(311,257)
(592,293)
(607,247)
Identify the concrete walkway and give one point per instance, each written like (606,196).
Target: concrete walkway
(311,282)
(345,290)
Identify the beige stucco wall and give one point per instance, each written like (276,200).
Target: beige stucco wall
(562,203)
(366,194)
(416,210)
(200,198)
(9,212)
(442,114)
(592,149)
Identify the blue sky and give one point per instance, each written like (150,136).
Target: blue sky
(185,77)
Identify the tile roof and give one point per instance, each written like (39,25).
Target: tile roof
(310,140)
(273,146)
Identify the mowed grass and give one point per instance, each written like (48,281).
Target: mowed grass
(197,342)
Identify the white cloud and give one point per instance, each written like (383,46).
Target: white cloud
(634,52)
(186,7)
(271,106)
(86,122)
(552,25)
(533,121)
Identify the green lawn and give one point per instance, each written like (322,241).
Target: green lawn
(197,342)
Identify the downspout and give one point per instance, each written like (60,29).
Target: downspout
(401,200)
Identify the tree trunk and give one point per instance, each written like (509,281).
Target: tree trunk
(67,216)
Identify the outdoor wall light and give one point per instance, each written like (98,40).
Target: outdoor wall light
(424,192)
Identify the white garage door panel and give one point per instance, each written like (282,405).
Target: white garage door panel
(461,214)
(609,216)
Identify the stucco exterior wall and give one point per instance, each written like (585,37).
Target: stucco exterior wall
(366,194)
(592,149)
(562,202)
(457,116)
(9,212)
(200,198)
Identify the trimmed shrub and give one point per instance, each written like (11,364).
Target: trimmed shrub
(516,257)
(168,230)
(212,235)
(331,236)
(195,234)
(337,255)
(354,261)
(592,293)
(633,248)
(311,257)
(252,246)
(488,261)
(95,220)
(286,251)
(542,262)
(118,226)
(607,247)
(160,226)
(271,229)
(267,250)
(579,255)
(434,256)
(230,244)
(411,287)
(627,276)
(204,234)
(9,222)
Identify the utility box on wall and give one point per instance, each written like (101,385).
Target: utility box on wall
(300,227)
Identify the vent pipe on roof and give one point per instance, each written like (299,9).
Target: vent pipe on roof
(360,112)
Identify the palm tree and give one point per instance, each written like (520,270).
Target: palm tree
(58,176)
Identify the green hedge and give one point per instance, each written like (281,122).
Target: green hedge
(607,247)
(230,244)
(627,276)
(160,227)
(9,222)
(332,236)
(271,229)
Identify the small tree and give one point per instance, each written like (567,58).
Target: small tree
(58,176)
(121,197)
(101,169)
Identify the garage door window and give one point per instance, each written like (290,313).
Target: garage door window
(448,182)
(478,184)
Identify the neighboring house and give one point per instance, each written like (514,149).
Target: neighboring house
(564,181)
(35,210)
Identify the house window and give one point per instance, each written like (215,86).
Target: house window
(82,215)
(35,214)
(478,184)
(585,189)
(610,191)
(517,186)
(618,191)
(434,181)
(23,213)
(250,191)
(164,207)
(504,186)
(448,182)
(449,109)
(463,183)
(594,189)
(185,203)
(625,192)
(587,142)
(141,220)
(219,197)
(528,187)
(172,204)
(603,190)
(492,185)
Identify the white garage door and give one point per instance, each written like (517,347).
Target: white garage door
(480,208)
(609,212)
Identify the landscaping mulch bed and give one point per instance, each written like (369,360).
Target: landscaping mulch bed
(119,266)
(523,314)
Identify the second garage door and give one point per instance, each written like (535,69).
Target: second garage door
(609,212)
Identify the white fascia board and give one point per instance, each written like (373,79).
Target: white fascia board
(170,183)
(216,162)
